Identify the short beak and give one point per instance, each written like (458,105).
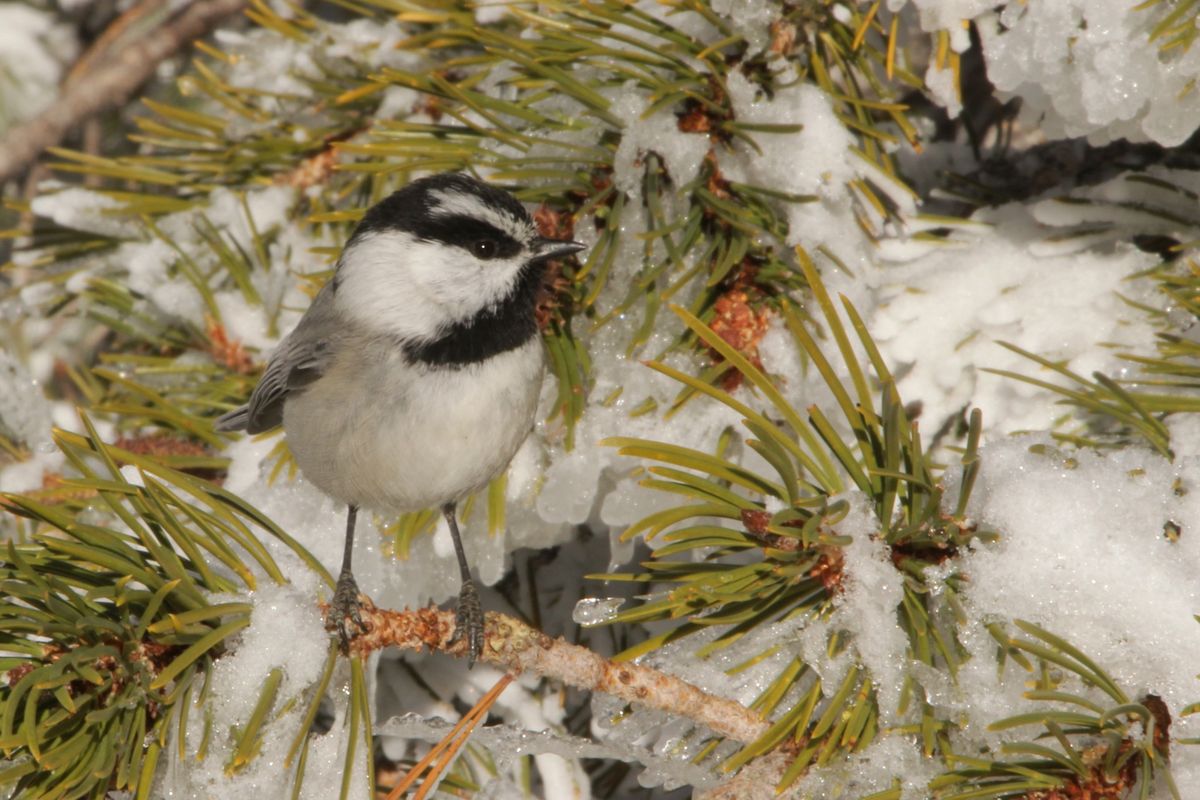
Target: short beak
(544,248)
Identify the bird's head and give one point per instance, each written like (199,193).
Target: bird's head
(438,253)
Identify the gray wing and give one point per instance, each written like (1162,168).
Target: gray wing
(301,358)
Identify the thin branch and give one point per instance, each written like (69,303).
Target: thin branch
(439,757)
(110,84)
(514,646)
(119,32)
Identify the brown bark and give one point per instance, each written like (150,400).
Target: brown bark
(109,84)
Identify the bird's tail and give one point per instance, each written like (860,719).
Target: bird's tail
(235,420)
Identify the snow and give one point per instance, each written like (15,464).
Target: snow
(750,19)
(1080,530)
(35,51)
(943,86)
(22,476)
(569,492)
(149,263)
(132,475)
(1059,306)
(278,65)
(947,15)
(816,161)
(374,42)
(23,418)
(1081,67)
(509,742)
(286,634)
(562,776)
(1105,80)
(285,629)
(872,592)
(682,154)
(83,210)
(890,758)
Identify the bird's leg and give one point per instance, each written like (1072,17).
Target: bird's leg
(468,619)
(345,597)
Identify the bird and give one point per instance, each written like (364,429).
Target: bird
(413,378)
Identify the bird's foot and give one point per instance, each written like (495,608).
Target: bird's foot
(468,621)
(345,607)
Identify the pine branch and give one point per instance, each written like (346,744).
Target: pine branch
(514,646)
(109,85)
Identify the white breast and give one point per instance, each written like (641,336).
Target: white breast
(409,436)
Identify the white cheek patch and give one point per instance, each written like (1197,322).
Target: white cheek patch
(462,284)
(376,287)
(449,202)
(391,282)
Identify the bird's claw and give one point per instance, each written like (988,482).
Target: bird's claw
(468,621)
(345,606)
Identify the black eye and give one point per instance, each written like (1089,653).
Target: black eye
(485,248)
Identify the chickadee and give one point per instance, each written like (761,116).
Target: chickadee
(414,376)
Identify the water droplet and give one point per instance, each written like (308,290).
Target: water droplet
(591,611)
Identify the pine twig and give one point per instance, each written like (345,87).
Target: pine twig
(119,32)
(514,646)
(109,84)
(439,757)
